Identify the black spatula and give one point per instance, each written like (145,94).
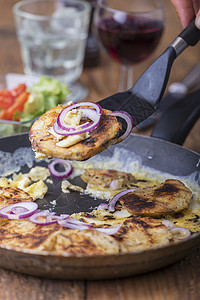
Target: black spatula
(143,99)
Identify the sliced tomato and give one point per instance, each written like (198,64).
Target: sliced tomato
(18,90)
(6,99)
(17,106)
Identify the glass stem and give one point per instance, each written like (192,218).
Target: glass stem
(126,78)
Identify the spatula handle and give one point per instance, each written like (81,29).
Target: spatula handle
(188,37)
(191,34)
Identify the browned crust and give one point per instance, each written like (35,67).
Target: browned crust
(104,177)
(142,233)
(100,138)
(12,195)
(24,234)
(85,243)
(169,197)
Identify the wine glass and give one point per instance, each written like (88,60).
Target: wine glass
(129,31)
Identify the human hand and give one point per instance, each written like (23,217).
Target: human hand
(187,10)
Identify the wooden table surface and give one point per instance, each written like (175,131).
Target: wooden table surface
(178,281)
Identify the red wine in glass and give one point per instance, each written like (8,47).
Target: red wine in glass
(131,40)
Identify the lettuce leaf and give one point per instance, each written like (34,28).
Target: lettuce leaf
(44,95)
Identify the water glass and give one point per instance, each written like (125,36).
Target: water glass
(52,36)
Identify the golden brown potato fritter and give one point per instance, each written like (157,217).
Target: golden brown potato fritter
(169,197)
(100,138)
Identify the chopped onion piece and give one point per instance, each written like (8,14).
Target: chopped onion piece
(61,217)
(103,206)
(19,210)
(124,115)
(74,224)
(58,174)
(115,184)
(111,205)
(180,233)
(109,230)
(168,223)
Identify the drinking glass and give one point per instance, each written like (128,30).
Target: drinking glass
(52,36)
(129,31)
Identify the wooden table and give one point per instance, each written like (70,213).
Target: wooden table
(178,281)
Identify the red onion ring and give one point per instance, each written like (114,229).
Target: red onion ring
(87,112)
(60,126)
(10,211)
(82,126)
(63,174)
(111,205)
(124,115)
(183,233)
(18,210)
(65,221)
(44,213)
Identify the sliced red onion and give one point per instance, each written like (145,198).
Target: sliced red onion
(74,224)
(124,115)
(180,233)
(61,217)
(96,106)
(68,128)
(60,127)
(168,223)
(19,210)
(44,213)
(115,184)
(111,205)
(103,206)
(93,115)
(109,230)
(58,174)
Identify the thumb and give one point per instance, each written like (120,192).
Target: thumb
(197,20)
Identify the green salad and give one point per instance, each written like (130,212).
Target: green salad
(44,95)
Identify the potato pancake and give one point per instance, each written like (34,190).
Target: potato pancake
(85,243)
(135,234)
(45,143)
(25,234)
(108,178)
(11,195)
(169,197)
(142,233)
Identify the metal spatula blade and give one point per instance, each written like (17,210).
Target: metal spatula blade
(143,99)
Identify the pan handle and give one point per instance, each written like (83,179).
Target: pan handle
(176,123)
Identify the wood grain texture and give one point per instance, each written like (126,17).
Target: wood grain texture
(178,281)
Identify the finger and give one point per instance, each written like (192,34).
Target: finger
(196,5)
(197,21)
(185,10)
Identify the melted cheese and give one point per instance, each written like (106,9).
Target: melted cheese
(39,155)
(72,140)
(31,182)
(37,190)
